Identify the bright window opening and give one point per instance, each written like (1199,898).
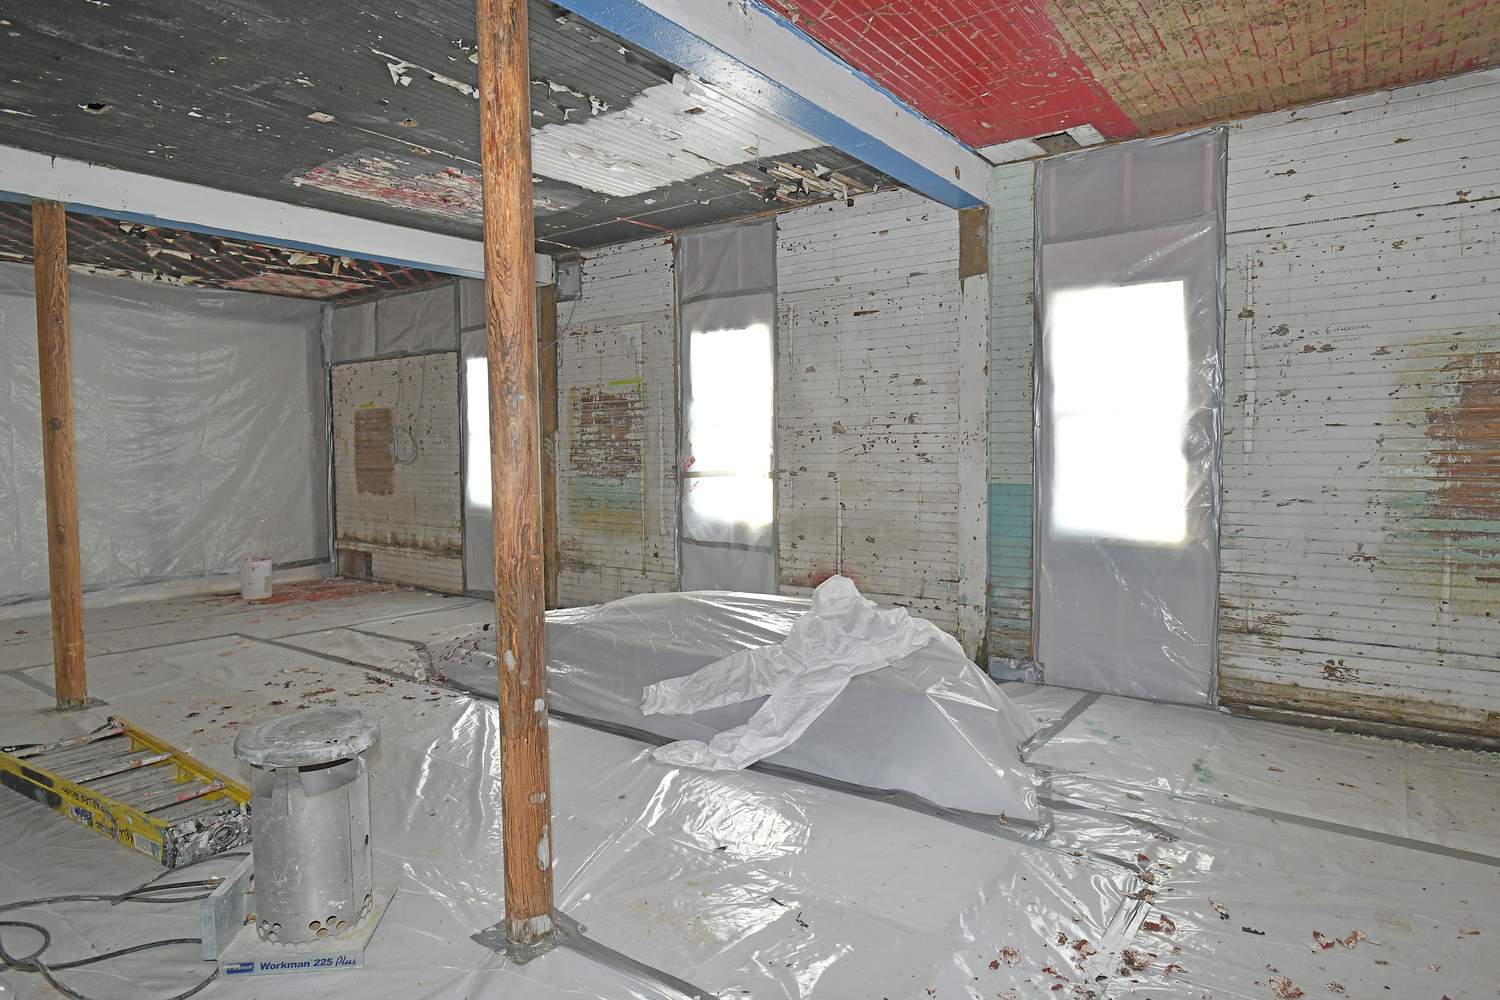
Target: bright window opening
(731,425)
(478,488)
(1117,359)
(732,385)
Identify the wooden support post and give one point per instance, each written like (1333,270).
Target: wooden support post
(55,370)
(515,464)
(546,354)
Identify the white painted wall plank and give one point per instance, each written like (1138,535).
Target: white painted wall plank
(617,534)
(414,534)
(869,385)
(1361,544)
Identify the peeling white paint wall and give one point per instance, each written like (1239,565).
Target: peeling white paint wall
(617,429)
(414,532)
(973,463)
(881,407)
(868,410)
(1361,541)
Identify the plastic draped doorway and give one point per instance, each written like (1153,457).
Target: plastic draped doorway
(1130,277)
(726,314)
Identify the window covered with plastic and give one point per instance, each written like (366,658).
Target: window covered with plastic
(726,290)
(1130,314)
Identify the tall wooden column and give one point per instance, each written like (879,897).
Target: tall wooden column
(546,352)
(515,464)
(55,368)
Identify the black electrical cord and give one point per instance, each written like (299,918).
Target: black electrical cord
(143,893)
(34,963)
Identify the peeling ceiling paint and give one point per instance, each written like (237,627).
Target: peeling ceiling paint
(670,132)
(299,285)
(368,110)
(1017,69)
(374,176)
(157,255)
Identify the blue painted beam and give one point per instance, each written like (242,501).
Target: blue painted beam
(659,34)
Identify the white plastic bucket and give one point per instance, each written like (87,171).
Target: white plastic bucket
(255,579)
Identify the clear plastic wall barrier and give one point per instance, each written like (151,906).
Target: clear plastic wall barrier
(726,290)
(199,428)
(1129,383)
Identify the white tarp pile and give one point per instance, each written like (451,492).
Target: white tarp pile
(742,677)
(840,637)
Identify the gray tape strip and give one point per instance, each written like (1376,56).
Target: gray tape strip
(1327,826)
(424,655)
(1121,930)
(1354,831)
(1041,739)
(19,673)
(570,934)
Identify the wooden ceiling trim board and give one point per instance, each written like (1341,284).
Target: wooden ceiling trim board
(757,56)
(132,197)
(987,73)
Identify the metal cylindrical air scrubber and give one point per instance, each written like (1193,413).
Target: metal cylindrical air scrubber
(310,822)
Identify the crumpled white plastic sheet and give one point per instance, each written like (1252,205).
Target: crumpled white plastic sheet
(933,725)
(841,636)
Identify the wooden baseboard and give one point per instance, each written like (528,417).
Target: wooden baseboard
(1363,727)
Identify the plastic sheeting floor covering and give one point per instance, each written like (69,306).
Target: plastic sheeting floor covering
(1191,854)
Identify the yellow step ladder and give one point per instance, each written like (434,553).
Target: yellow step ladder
(138,789)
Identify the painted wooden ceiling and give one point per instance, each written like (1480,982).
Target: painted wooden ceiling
(369,108)
(991,71)
(366,107)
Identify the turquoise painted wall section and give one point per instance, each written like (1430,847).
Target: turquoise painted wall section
(1010,473)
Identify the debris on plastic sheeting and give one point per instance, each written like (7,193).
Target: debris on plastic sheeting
(1282,987)
(671,817)
(1220,909)
(1354,938)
